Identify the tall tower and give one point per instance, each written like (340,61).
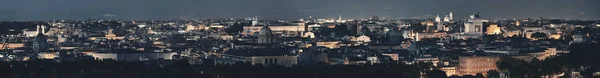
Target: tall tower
(451,16)
(265,35)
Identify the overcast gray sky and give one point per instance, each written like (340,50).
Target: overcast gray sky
(287,9)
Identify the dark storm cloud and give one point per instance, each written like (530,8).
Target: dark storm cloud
(283,9)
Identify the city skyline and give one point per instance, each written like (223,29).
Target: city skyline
(293,9)
(299,39)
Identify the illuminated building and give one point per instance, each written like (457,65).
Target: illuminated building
(12,45)
(475,25)
(493,29)
(471,65)
(394,56)
(276,29)
(191,27)
(511,33)
(437,18)
(446,18)
(328,44)
(433,60)
(419,36)
(309,34)
(111,36)
(541,55)
(30,33)
(430,26)
(361,39)
(449,70)
(554,36)
(48,55)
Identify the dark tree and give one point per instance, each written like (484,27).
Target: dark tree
(236,28)
(436,74)
(479,75)
(341,30)
(493,74)
(539,35)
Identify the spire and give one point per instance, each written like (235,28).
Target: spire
(340,17)
(451,16)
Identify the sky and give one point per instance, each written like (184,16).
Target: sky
(293,9)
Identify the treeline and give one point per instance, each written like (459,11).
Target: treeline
(582,58)
(182,69)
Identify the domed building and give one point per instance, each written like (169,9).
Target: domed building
(265,35)
(40,43)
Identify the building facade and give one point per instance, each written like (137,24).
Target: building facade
(471,65)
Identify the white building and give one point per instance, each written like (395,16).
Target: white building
(474,25)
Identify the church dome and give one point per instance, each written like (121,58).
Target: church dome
(265,36)
(41,41)
(41,37)
(265,31)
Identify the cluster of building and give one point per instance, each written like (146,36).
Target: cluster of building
(457,46)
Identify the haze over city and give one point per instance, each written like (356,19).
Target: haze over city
(293,9)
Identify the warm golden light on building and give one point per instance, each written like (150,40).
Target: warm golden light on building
(13,45)
(493,29)
(471,65)
(251,30)
(109,35)
(328,44)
